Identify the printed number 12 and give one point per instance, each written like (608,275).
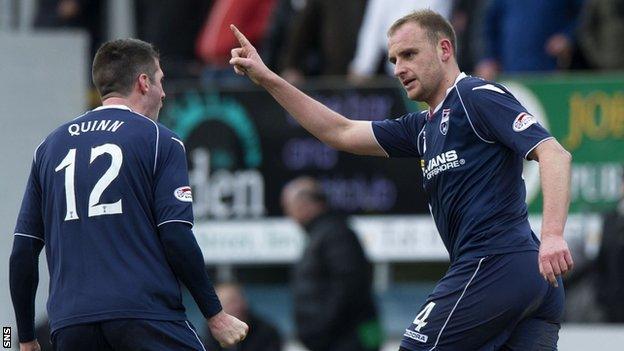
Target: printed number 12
(69,165)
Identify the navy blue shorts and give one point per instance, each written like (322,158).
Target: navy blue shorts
(498,302)
(128,334)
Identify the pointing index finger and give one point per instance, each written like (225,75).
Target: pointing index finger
(240,36)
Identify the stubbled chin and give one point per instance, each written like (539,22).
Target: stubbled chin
(413,94)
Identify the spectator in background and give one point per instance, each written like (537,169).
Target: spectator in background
(466,19)
(262,335)
(600,32)
(277,32)
(215,39)
(610,264)
(372,40)
(173,26)
(82,14)
(332,282)
(322,39)
(527,36)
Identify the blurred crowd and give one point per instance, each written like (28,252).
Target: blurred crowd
(309,38)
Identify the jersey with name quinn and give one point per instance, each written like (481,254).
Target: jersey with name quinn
(99,187)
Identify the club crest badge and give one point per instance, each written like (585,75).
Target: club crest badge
(444,122)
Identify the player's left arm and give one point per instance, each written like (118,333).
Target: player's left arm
(23,281)
(24,261)
(554,163)
(187,262)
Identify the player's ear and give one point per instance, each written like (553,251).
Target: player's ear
(445,49)
(144,83)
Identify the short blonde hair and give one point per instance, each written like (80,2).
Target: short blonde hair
(437,27)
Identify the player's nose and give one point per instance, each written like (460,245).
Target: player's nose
(399,70)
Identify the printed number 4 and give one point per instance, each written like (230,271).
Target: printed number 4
(420,320)
(69,165)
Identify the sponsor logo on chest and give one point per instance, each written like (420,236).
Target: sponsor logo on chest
(440,163)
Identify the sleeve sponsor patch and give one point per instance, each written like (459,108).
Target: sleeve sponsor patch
(523,121)
(184,194)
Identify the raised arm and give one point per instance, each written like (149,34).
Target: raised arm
(554,163)
(328,126)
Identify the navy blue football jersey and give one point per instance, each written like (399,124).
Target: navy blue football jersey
(99,187)
(472,148)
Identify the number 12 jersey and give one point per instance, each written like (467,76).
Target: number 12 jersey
(99,187)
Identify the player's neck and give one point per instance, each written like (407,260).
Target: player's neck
(134,104)
(447,82)
(114,100)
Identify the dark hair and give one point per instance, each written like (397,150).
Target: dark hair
(437,27)
(118,63)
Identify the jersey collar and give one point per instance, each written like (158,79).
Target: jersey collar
(460,76)
(121,107)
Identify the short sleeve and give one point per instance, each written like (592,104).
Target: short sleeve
(497,116)
(30,218)
(398,137)
(173,199)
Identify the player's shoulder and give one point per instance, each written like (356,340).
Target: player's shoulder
(416,119)
(168,137)
(165,131)
(54,135)
(478,88)
(415,116)
(62,129)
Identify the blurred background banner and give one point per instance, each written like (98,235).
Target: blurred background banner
(586,113)
(243,147)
